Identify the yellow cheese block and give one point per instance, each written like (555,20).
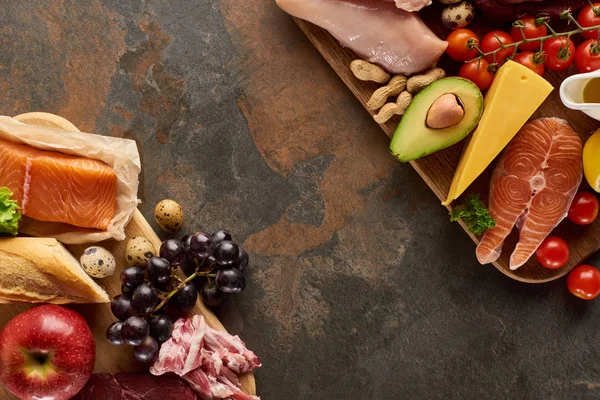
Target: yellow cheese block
(513,97)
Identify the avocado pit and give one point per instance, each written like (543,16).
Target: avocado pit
(446,111)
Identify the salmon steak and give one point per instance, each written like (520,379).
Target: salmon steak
(56,187)
(532,187)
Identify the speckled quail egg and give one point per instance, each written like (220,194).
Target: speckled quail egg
(139,250)
(98,262)
(458,15)
(169,216)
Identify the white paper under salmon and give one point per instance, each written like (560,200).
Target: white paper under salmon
(121,154)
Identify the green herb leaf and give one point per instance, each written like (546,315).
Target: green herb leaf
(474,214)
(9,213)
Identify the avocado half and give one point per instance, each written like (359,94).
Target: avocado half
(414,139)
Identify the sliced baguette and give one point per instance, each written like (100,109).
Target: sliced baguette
(41,270)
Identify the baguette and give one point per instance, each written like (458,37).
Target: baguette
(41,270)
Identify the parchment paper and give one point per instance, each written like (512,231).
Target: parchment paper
(121,154)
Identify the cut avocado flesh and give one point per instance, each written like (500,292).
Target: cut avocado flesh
(414,138)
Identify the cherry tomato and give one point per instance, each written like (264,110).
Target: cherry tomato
(477,72)
(527,59)
(584,208)
(584,282)
(553,253)
(589,16)
(531,30)
(458,45)
(587,56)
(490,43)
(560,53)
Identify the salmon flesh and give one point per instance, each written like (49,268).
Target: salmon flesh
(56,187)
(532,187)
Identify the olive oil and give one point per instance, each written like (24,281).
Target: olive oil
(591,91)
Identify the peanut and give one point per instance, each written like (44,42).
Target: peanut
(419,82)
(391,109)
(395,86)
(365,71)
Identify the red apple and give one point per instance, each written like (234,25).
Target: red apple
(46,353)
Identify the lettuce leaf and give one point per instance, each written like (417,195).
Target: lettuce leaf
(9,212)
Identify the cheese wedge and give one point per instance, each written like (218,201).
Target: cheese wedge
(512,99)
(41,270)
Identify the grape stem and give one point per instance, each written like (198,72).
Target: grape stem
(173,292)
(566,14)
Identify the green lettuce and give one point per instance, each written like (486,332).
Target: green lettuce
(9,212)
(474,214)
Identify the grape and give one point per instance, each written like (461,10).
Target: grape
(144,299)
(201,245)
(242,261)
(146,351)
(227,252)
(159,271)
(189,267)
(134,331)
(121,307)
(185,298)
(172,250)
(220,236)
(126,290)
(132,277)
(161,328)
(185,241)
(211,295)
(113,333)
(230,280)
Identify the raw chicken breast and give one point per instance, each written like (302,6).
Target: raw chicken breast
(411,5)
(533,186)
(376,30)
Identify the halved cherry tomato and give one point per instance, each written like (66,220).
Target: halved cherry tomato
(584,282)
(458,45)
(589,16)
(553,253)
(584,208)
(492,41)
(560,53)
(587,56)
(533,28)
(527,59)
(477,72)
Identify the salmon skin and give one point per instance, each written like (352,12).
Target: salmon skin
(532,186)
(56,187)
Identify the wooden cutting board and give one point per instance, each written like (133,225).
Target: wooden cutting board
(109,358)
(438,168)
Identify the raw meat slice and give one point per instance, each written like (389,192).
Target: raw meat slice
(56,187)
(411,5)
(208,359)
(377,31)
(132,386)
(533,186)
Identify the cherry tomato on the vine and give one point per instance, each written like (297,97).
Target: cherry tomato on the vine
(584,208)
(477,72)
(494,40)
(533,28)
(587,56)
(589,16)
(553,253)
(560,53)
(528,59)
(458,45)
(584,282)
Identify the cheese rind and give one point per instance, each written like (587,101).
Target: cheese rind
(514,96)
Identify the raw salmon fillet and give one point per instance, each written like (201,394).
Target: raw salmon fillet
(56,187)
(533,186)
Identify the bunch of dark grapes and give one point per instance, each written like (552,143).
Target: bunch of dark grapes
(214,265)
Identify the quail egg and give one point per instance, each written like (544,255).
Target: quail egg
(139,250)
(458,15)
(98,262)
(169,216)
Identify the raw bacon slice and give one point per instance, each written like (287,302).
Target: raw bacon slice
(533,186)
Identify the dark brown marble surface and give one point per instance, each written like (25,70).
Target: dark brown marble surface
(359,286)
